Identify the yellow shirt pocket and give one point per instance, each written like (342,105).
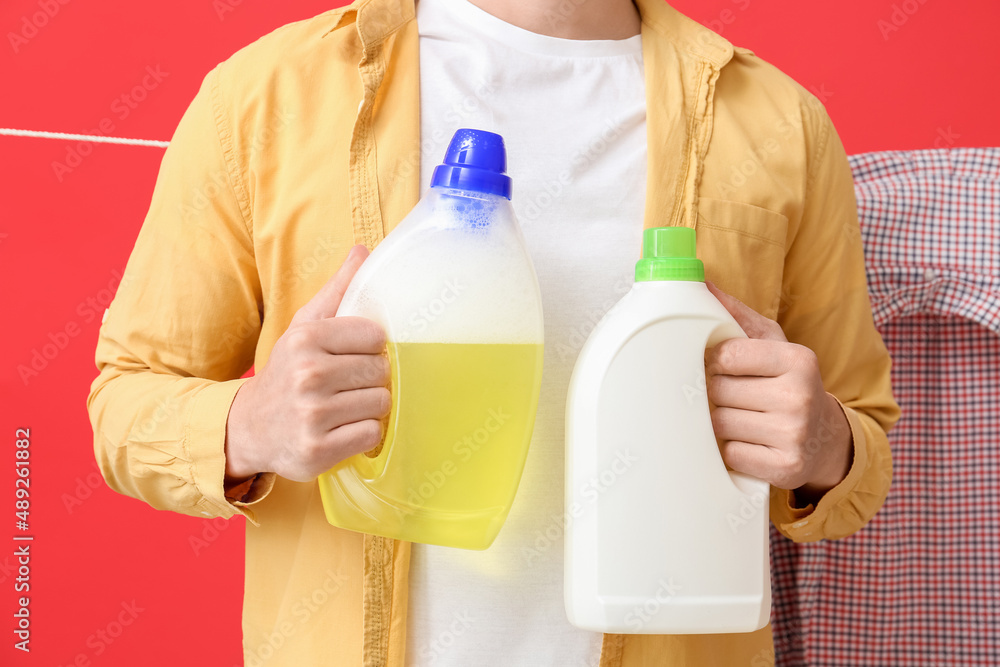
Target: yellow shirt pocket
(743,249)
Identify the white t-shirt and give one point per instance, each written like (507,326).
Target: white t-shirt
(573,116)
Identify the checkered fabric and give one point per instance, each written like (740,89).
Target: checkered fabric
(920,585)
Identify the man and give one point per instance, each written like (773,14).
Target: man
(617,116)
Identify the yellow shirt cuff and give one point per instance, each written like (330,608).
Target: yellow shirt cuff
(205,442)
(845,508)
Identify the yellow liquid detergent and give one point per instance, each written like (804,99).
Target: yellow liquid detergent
(455,446)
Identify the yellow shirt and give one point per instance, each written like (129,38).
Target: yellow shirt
(307,142)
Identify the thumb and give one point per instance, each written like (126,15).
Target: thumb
(754,324)
(328,298)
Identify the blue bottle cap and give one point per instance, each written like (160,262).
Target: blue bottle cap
(476,160)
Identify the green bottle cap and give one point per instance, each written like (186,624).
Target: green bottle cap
(668,253)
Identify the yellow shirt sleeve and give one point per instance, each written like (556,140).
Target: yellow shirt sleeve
(182,328)
(825,307)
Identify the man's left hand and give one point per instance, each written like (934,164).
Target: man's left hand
(771,412)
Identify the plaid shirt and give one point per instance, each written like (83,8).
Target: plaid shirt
(920,585)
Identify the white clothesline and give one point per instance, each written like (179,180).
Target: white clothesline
(82,137)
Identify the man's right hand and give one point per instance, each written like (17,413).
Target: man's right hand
(321,395)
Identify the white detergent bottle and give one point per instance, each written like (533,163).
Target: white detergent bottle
(661,538)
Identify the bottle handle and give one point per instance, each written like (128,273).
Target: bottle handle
(752,488)
(371,464)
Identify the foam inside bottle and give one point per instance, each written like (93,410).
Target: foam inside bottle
(454,271)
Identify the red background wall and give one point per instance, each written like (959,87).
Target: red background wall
(894,75)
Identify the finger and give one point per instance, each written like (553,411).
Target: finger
(359,371)
(358,405)
(751,459)
(348,335)
(751,357)
(326,302)
(353,438)
(743,425)
(332,374)
(741,392)
(753,323)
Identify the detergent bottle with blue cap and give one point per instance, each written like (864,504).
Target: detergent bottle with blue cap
(455,290)
(677,543)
